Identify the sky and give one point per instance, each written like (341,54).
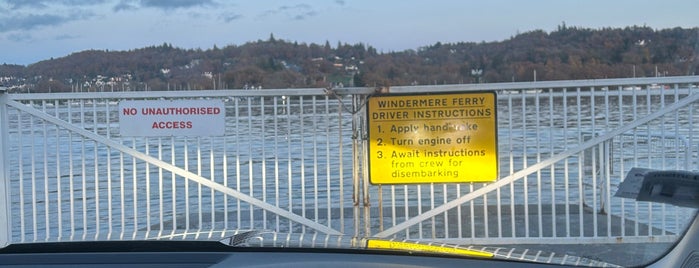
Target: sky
(35,30)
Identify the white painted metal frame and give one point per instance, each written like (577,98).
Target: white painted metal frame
(5,203)
(193,188)
(487,213)
(286,161)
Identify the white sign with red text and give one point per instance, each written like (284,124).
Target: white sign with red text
(153,118)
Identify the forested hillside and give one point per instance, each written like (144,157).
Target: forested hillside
(567,53)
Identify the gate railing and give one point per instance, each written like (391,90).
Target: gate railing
(548,192)
(294,161)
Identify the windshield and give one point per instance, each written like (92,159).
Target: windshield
(568,142)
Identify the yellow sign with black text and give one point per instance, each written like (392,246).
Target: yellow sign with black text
(437,138)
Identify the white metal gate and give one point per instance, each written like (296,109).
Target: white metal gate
(293,161)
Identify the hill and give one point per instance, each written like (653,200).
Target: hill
(567,53)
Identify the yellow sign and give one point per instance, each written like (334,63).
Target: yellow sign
(414,247)
(444,138)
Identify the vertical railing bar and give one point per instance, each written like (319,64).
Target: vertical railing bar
(677,132)
(237,161)
(525,161)
(135,189)
(148,201)
(315,157)
(59,184)
(445,196)
(510,142)
(663,162)
(276,160)
(406,208)
(552,170)
(122,213)
(173,183)
(33,177)
(419,209)
(109,173)
(224,159)
(566,172)
(622,160)
(71,185)
(635,156)
(471,208)
(380,206)
(537,126)
(21,178)
(200,201)
(289,161)
(185,157)
(122,176)
(212,175)
(47,221)
(356,135)
(365,172)
(161,220)
(393,206)
(604,167)
(649,153)
(691,124)
(485,215)
(687,149)
(83,169)
(303,161)
(97,177)
(433,219)
(328,192)
(459,228)
(595,158)
(581,155)
(607,161)
(263,136)
(341,165)
(251,168)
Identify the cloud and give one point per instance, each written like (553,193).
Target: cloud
(19,37)
(230,17)
(295,12)
(125,5)
(165,5)
(24,22)
(65,37)
(18,4)
(30,22)
(340,2)
(43,4)
(176,4)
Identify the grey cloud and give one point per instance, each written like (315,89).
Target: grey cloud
(299,6)
(340,2)
(305,15)
(295,12)
(66,37)
(125,5)
(42,4)
(34,21)
(29,22)
(17,4)
(230,17)
(167,5)
(19,37)
(175,4)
